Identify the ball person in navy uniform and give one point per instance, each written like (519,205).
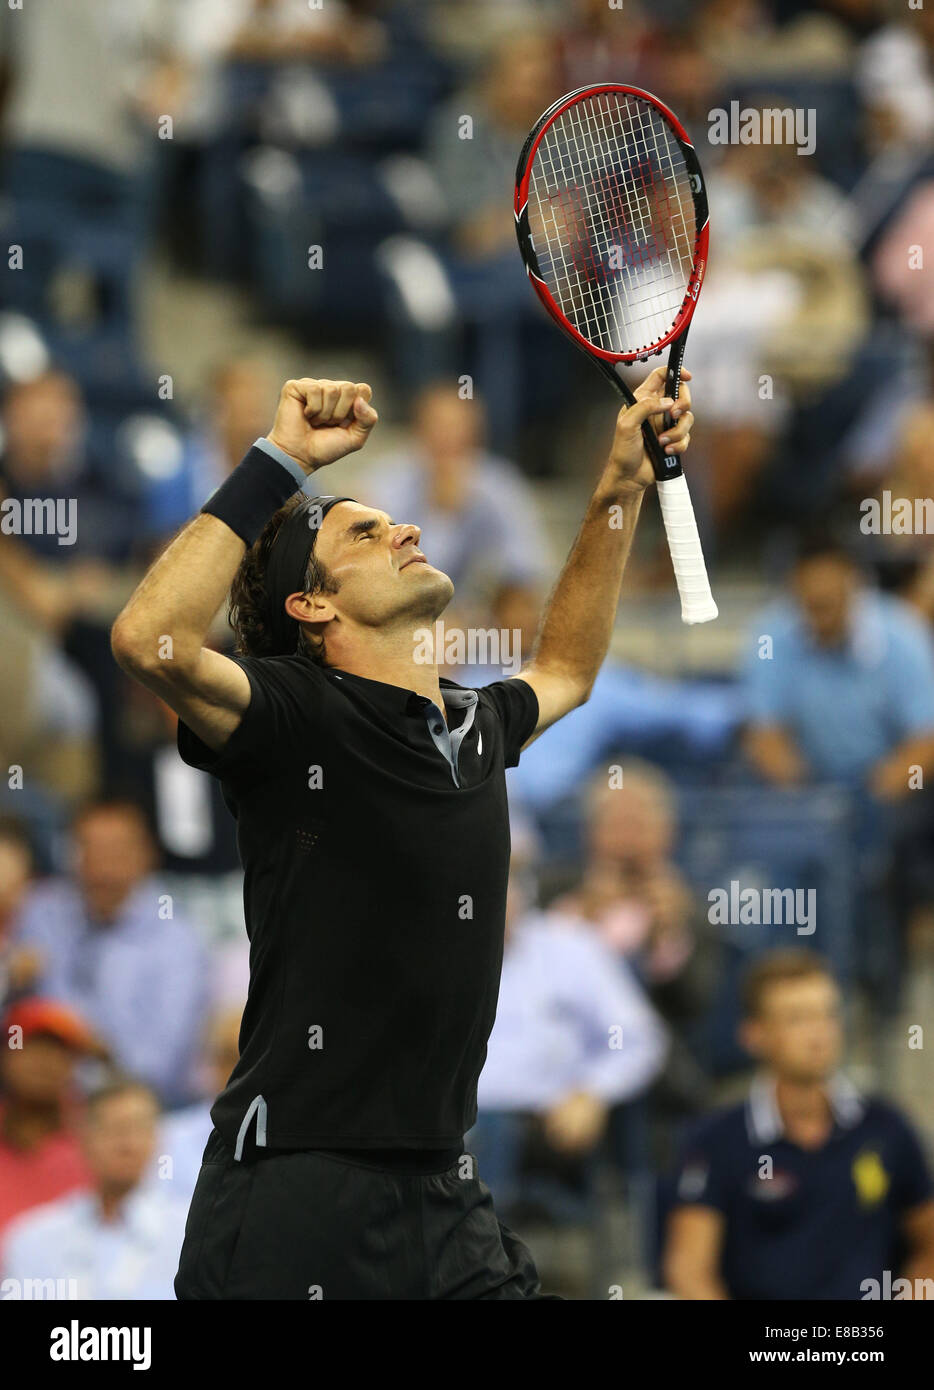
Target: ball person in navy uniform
(372,824)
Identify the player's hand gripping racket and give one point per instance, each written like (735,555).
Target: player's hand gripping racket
(611,216)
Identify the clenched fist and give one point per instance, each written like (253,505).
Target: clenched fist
(319,421)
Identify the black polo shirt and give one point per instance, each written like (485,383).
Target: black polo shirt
(814,1223)
(375,843)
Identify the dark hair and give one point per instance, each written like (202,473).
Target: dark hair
(820,543)
(775,968)
(114,801)
(248,610)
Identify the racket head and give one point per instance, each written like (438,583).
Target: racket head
(612,221)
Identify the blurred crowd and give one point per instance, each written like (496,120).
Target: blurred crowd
(349,170)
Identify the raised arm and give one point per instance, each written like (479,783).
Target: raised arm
(578,621)
(158,638)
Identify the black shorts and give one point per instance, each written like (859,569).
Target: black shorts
(315,1225)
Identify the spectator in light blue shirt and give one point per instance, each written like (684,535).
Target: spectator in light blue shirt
(113,946)
(839,682)
(839,687)
(574,1035)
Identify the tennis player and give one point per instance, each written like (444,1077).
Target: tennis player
(372,821)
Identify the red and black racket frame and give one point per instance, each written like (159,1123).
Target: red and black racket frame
(665,465)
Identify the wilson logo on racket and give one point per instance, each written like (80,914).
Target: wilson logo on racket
(612,222)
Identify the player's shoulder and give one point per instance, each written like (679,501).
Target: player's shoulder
(295,666)
(492,693)
(512,699)
(298,675)
(516,686)
(507,710)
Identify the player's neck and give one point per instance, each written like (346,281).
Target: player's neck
(395,658)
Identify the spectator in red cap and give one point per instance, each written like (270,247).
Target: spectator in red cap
(40,1157)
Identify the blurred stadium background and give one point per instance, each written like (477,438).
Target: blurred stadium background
(200,199)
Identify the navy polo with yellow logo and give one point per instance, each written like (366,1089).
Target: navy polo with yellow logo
(806,1223)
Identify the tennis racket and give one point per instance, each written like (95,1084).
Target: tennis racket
(611,216)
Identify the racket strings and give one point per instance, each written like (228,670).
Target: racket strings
(611,214)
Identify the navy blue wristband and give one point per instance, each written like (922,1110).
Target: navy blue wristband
(255,490)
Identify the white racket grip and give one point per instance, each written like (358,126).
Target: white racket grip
(697,605)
